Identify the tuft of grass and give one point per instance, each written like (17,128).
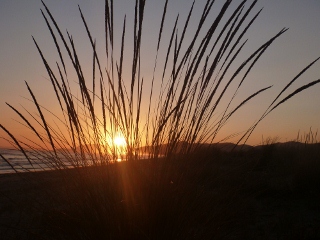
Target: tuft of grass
(172,194)
(193,86)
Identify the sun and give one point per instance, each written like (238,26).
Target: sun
(119,141)
(120,144)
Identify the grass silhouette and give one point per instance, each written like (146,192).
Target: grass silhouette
(168,195)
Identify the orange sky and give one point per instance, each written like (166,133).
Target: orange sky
(20,61)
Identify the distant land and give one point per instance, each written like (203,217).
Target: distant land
(225,147)
(228,147)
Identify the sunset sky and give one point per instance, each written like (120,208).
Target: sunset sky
(20,61)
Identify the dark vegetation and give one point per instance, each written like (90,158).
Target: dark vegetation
(188,189)
(267,193)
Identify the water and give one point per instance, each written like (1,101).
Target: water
(16,158)
(19,162)
(40,163)
(40,160)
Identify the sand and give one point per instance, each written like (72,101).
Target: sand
(270,201)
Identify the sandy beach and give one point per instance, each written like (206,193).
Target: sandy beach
(239,197)
(22,200)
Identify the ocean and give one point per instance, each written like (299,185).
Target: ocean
(41,162)
(19,162)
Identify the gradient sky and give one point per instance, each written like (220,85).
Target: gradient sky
(20,61)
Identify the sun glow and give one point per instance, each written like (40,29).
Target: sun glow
(119,141)
(119,144)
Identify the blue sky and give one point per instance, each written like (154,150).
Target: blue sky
(20,61)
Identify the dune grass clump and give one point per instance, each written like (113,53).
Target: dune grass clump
(166,123)
(194,80)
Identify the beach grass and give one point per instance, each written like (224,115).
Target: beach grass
(164,189)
